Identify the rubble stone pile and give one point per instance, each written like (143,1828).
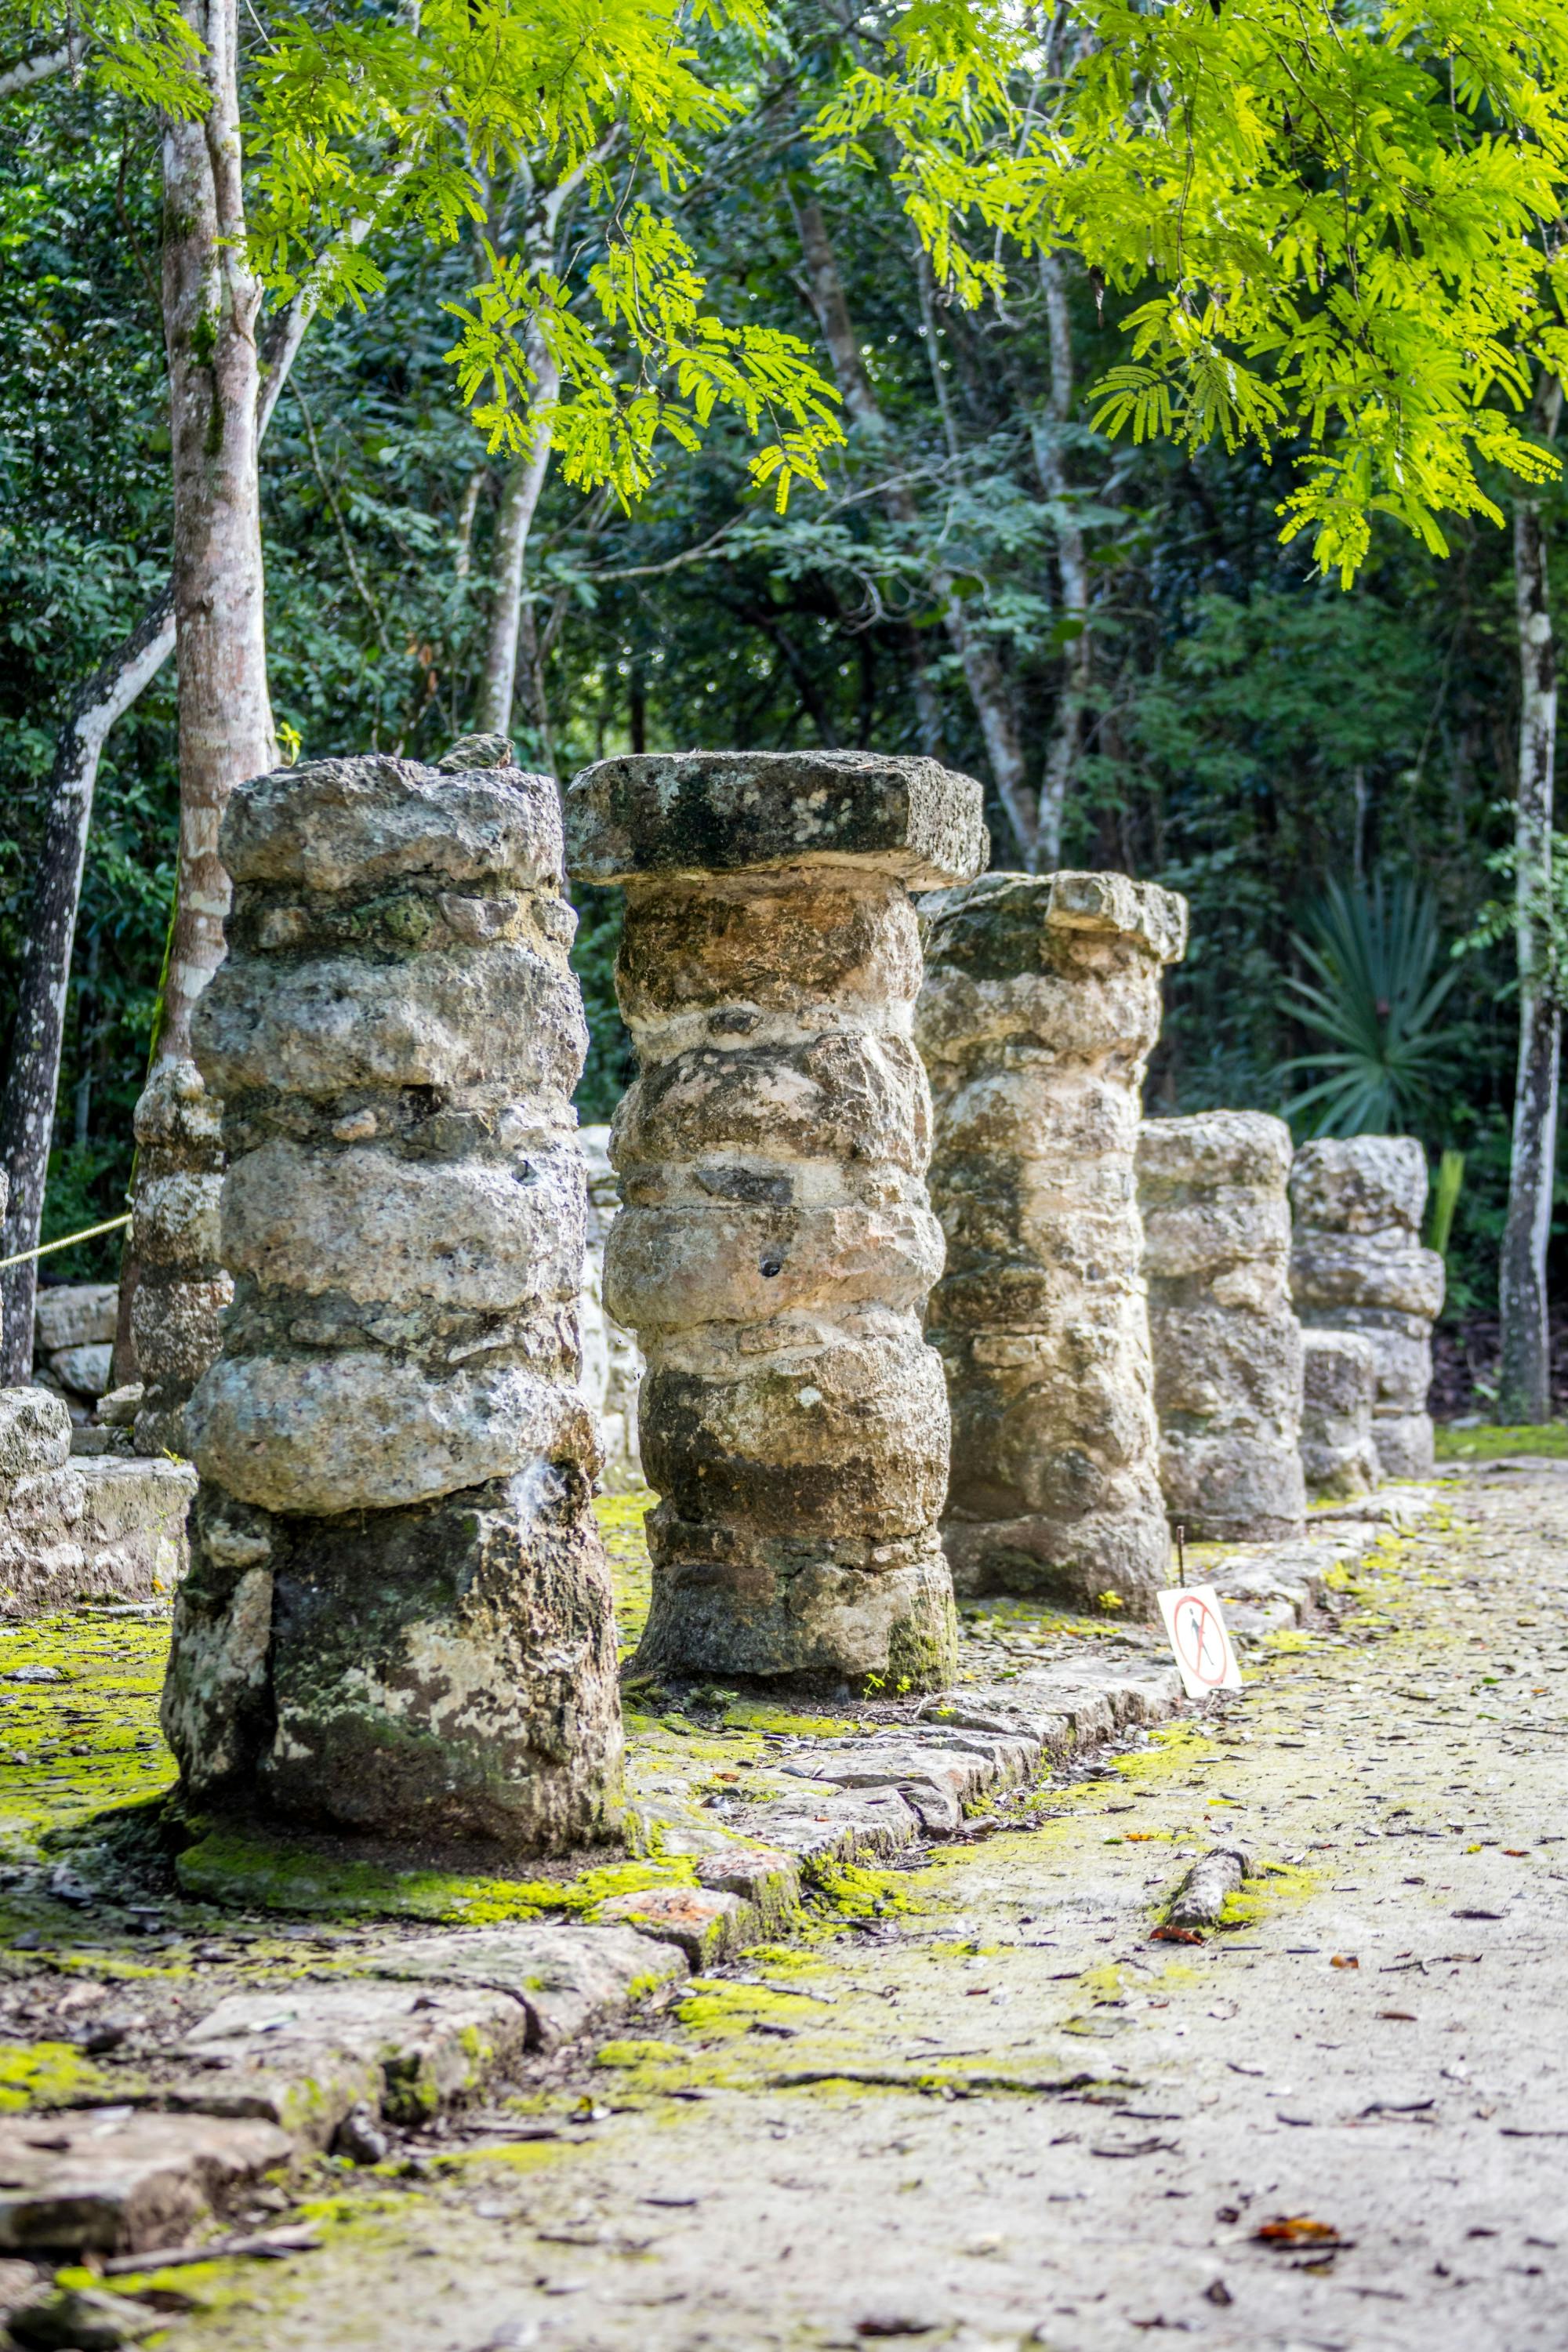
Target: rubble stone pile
(1040,1005)
(1339,1456)
(776,1247)
(1226,1345)
(398,1616)
(1357,1264)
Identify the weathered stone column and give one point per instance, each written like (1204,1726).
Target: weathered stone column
(1357,1264)
(612,1361)
(397,1616)
(1040,1005)
(1338,1457)
(1226,1347)
(777,1246)
(183,1288)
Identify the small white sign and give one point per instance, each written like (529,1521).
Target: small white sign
(1194,1623)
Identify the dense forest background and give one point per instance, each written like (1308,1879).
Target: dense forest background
(1249,735)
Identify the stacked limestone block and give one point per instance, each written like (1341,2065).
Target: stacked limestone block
(398,1616)
(777,1246)
(1040,1006)
(1357,1264)
(182,1286)
(1338,1457)
(612,1361)
(1227,1346)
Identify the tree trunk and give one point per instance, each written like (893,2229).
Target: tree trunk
(211,305)
(1524,1386)
(1072,567)
(33,1068)
(27,1110)
(983,672)
(519,504)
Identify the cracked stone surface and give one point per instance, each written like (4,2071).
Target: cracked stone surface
(1040,1006)
(612,1360)
(986,2107)
(1227,1346)
(398,1617)
(777,1245)
(183,1285)
(1357,1264)
(1339,1387)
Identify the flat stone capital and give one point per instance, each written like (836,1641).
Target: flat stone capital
(1003,924)
(1216,1147)
(1360,1183)
(667,814)
(333,824)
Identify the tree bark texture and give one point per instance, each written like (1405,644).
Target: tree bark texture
(989,690)
(1072,568)
(211,306)
(519,498)
(1524,1387)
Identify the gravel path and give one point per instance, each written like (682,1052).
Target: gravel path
(992,2109)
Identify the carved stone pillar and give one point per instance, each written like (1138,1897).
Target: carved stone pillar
(777,1245)
(612,1361)
(1227,1346)
(399,1617)
(1338,1457)
(1041,1004)
(1357,1264)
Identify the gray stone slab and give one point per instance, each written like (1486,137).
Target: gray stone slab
(74,1315)
(726,812)
(113,2181)
(569,1979)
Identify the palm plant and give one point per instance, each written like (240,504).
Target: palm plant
(1370,996)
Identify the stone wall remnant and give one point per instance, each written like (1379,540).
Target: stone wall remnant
(183,1285)
(1040,1005)
(1357,1264)
(73,1329)
(777,1245)
(1338,1457)
(1226,1345)
(612,1360)
(397,1618)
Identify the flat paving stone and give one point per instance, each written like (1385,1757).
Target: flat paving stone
(108,2180)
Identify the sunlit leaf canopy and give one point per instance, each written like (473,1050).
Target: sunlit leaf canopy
(1343,220)
(1347,218)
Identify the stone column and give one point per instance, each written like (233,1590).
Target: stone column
(612,1361)
(398,1617)
(777,1246)
(1357,1264)
(182,1286)
(1338,1455)
(1040,1005)
(1226,1347)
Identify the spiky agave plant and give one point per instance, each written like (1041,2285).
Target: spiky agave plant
(1372,998)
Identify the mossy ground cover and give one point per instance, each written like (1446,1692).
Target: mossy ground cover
(1493,1442)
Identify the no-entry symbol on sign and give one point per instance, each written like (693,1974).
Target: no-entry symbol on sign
(1194,1623)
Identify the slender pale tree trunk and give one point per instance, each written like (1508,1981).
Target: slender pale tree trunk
(1063,750)
(1524,1386)
(27,1109)
(519,504)
(983,675)
(211,306)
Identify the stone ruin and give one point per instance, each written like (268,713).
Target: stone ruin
(182,1286)
(1338,1457)
(1040,1005)
(777,1246)
(612,1360)
(1357,1264)
(1227,1346)
(398,1617)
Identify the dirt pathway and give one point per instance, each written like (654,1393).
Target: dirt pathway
(990,2111)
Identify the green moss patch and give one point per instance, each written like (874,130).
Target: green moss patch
(53,2075)
(1493,1441)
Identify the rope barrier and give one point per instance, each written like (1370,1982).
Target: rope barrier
(112,1225)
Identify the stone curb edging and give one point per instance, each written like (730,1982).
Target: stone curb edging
(268,2076)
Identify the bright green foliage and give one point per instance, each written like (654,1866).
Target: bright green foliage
(137,49)
(1350,211)
(1373,998)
